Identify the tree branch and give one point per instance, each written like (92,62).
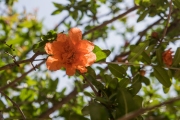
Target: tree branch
(143,110)
(169,16)
(110,21)
(16,105)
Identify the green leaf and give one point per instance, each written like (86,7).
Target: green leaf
(59,6)
(137,2)
(113,83)
(146,58)
(162,75)
(75,116)
(126,103)
(138,100)
(146,3)
(53,85)
(27,24)
(124,82)
(117,70)
(85,110)
(159,56)
(145,80)
(102,100)
(165,89)
(55,12)
(137,51)
(176,3)
(91,76)
(98,112)
(39,47)
(134,88)
(176,59)
(143,15)
(101,55)
(88,94)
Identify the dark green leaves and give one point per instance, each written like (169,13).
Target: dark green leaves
(176,59)
(50,37)
(117,70)
(142,16)
(136,51)
(101,55)
(98,112)
(162,75)
(126,102)
(39,47)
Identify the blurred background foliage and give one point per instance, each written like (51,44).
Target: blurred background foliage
(121,88)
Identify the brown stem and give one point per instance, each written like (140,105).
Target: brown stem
(110,21)
(16,105)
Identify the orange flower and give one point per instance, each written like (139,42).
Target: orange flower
(70,52)
(167,57)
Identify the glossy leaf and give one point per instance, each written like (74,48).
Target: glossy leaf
(101,55)
(138,100)
(176,59)
(137,51)
(162,75)
(125,101)
(142,16)
(124,82)
(98,112)
(159,53)
(117,70)
(145,80)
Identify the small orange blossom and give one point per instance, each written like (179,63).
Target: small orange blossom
(167,57)
(70,52)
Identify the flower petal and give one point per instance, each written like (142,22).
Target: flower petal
(53,63)
(61,37)
(82,69)
(85,46)
(85,59)
(70,71)
(91,58)
(54,48)
(75,35)
(48,48)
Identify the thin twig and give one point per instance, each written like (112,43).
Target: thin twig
(61,22)
(143,110)
(8,66)
(169,16)
(110,21)
(142,33)
(90,84)
(19,78)
(16,105)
